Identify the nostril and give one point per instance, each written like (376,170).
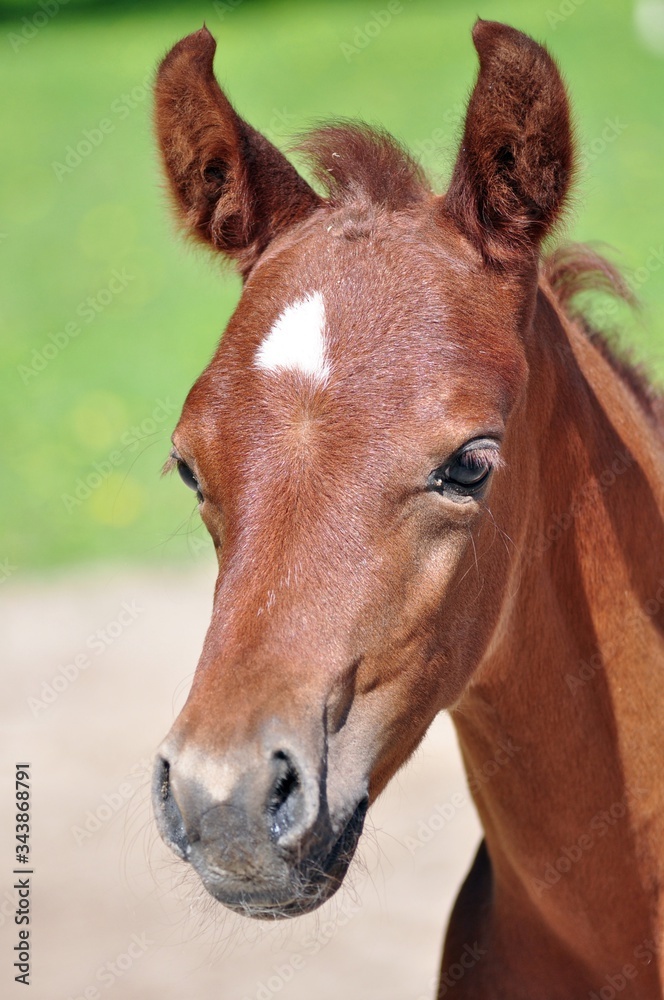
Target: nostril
(286,783)
(285,807)
(163,779)
(169,818)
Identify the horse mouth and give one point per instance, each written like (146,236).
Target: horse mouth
(298,888)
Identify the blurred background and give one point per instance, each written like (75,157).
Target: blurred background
(107,318)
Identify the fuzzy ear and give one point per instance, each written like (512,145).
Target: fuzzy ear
(232,188)
(515,164)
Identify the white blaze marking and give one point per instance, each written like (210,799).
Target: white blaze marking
(297,341)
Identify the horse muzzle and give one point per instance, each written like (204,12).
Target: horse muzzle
(260,834)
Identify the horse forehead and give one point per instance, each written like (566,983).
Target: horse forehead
(352,341)
(321,353)
(336,322)
(374,330)
(396,295)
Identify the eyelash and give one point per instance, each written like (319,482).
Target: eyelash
(186,474)
(482,456)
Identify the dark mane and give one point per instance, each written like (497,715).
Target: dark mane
(574,272)
(353,161)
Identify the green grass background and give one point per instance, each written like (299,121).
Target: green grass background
(284,66)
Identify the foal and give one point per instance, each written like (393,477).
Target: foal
(429,489)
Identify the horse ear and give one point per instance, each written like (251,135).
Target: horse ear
(514,167)
(232,188)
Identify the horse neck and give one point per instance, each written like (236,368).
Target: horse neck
(562,721)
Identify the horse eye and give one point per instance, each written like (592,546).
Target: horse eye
(189,479)
(468,470)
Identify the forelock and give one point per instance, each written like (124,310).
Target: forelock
(354,162)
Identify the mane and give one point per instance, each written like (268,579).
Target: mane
(577,271)
(354,162)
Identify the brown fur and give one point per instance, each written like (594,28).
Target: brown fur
(515,164)
(230,186)
(356,163)
(575,271)
(355,600)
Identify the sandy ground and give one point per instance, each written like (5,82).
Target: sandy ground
(112,914)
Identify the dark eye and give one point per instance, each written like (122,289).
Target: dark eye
(468,470)
(189,479)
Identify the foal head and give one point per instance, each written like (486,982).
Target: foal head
(353,445)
